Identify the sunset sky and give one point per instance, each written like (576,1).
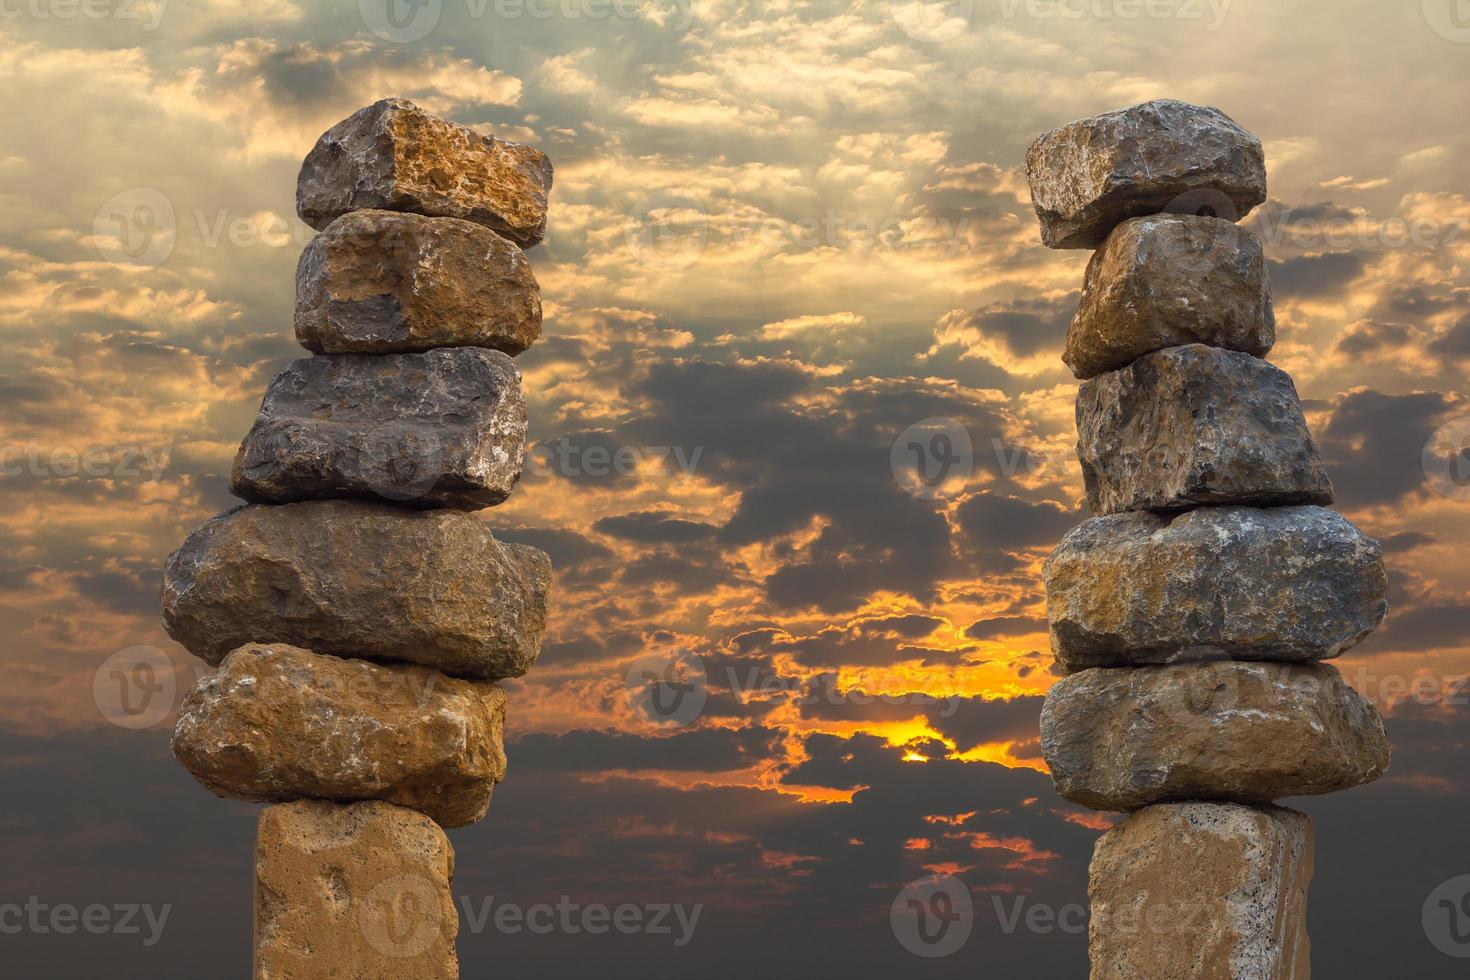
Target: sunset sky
(780,235)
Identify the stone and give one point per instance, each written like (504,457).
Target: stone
(1281,584)
(359,891)
(1089,176)
(383,282)
(1189,426)
(277,723)
(1225,730)
(394,156)
(445,428)
(360,580)
(1202,891)
(1166,280)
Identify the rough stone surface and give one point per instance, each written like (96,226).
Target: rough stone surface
(1196,425)
(1229,731)
(276,723)
(1202,891)
(356,892)
(1286,584)
(360,580)
(394,156)
(445,428)
(1092,174)
(381,282)
(1166,280)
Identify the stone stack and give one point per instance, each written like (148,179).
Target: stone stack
(1192,615)
(358,613)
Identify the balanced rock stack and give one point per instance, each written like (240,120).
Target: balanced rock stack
(358,614)
(1192,614)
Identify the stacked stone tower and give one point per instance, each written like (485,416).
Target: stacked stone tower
(1190,616)
(358,612)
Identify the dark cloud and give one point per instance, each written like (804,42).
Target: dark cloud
(1373,444)
(1315,276)
(651,527)
(702,750)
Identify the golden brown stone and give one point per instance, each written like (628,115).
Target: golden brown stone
(353,892)
(276,723)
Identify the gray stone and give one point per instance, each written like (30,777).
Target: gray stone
(1092,174)
(1196,425)
(360,580)
(1202,891)
(394,156)
(1287,584)
(1166,280)
(445,428)
(381,282)
(1230,731)
(276,723)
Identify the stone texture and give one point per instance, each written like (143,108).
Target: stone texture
(1202,891)
(1195,425)
(1286,584)
(1166,280)
(1092,174)
(1229,731)
(394,156)
(276,723)
(381,282)
(355,892)
(360,580)
(445,428)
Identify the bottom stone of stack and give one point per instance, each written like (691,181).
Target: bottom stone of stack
(1202,891)
(358,891)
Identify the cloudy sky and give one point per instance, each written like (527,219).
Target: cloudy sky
(781,235)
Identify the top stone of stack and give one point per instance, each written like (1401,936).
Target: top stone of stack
(393,156)
(1163,156)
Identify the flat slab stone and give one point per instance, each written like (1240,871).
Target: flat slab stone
(277,723)
(394,156)
(1282,584)
(353,891)
(1202,891)
(445,428)
(1090,175)
(1195,425)
(1166,280)
(383,282)
(360,580)
(1227,731)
